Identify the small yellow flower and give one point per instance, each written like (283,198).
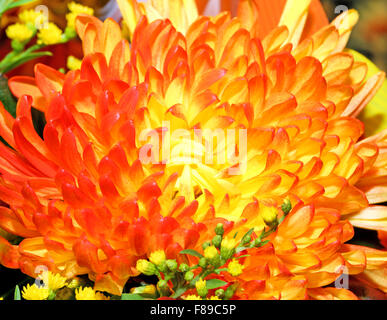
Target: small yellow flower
(200,284)
(201,287)
(145,267)
(50,35)
(210,252)
(235,268)
(73,63)
(76,9)
(19,32)
(269,215)
(150,289)
(157,257)
(31,16)
(88,293)
(53,281)
(35,293)
(79,8)
(192,297)
(214,298)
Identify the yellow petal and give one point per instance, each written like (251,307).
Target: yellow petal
(344,23)
(374,114)
(374,218)
(294,18)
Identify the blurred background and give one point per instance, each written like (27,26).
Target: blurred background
(370,34)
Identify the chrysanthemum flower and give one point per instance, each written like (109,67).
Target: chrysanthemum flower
(85,203)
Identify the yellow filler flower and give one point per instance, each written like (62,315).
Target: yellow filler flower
(19,32)
(50,35)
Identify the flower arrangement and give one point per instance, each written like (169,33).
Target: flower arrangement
(193,156)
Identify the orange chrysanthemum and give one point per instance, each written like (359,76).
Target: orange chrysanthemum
(84,202)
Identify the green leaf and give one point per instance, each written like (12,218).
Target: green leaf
(6,96)
(218,271)
(240,249)
(374,114)
(6,5)
(17,295)
(192,253)
(179,292)
(25,58)
(131,296)
(215,283)
(264,243)
(248,233)
(19,3)
(244,256)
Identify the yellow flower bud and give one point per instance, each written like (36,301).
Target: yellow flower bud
(227,248)
(157,257)
(145,267)
(210,252)
(201,287)
(150,289)
(73,63)
(229,243)
(269,215)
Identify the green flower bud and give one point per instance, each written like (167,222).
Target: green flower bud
(163,288)
(286,206)
(219,293)
(228,248)
(51,296)
(201,287)
(162,283)
(184,267)
(217,240)
(206,245)
(163,267)
(229,293)
(246,240)
(17,45)
(70,33)
(171,264)
(203,262)
(219,230)
(189,275)
(256,242)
